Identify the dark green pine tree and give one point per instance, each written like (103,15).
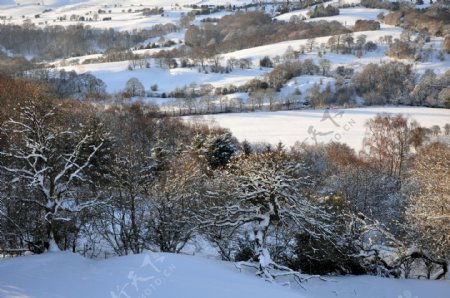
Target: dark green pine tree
(219,149)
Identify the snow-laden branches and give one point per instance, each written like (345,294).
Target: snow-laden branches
(428,213)
(51,161)
(262,192)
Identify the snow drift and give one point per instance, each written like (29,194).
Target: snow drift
(169,275)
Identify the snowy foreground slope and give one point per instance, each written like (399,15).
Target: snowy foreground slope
(323,126)
(169,275)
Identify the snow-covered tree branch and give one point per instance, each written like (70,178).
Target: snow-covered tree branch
(52,162)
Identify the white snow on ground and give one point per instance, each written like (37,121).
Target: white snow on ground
(297,84)
(279,48)
(168,275)
(116,74)
(348,16)
(121,17)
(343,125)
(349,60)
(300,13)
(304,12)
(303,83)
(78,61)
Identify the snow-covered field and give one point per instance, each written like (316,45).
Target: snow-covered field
(347,16)
(116,74)
(125,17)
(122,13)
(303,83)
(323,126)
(168,276)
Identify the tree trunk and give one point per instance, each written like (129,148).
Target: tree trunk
(52,247)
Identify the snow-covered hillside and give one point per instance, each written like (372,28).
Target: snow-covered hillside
(95,159)
(122,13)
(343,125)
(128,16)
(169,275)
(116,74)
